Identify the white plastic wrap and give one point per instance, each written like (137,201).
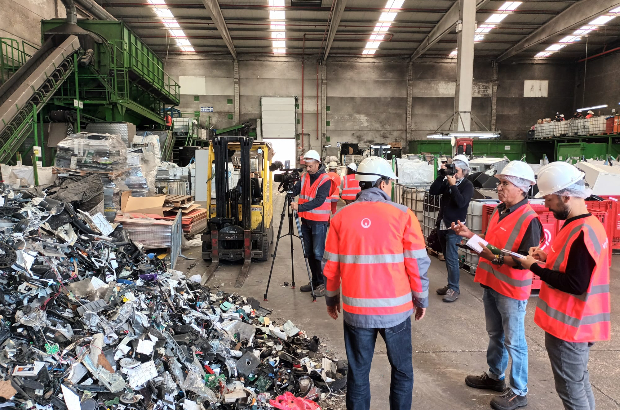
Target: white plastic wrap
(92,152)
(414,172)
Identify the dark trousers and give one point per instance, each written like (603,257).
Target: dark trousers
(360,345)
(314,236)
(569,362)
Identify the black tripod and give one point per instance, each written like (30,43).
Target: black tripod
(291,215)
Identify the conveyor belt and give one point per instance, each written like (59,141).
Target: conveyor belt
(30,88)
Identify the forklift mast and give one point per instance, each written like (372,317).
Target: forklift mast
(229,200)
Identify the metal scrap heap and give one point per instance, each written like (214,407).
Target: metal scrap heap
(88,320)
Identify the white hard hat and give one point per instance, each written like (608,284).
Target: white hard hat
(557,176)
(372,168)
(590,112)
(312,154)
(352,166)
(333,164)
(461,158)
(519,169)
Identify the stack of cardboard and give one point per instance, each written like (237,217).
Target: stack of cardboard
(194,217)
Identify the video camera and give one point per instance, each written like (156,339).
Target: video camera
(449,170)
(288,177)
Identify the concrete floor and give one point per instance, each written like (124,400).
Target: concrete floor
(448,344)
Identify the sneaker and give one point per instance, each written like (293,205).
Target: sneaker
(442,291)
(451,296)
(508,401)
(485,382)
(319,291)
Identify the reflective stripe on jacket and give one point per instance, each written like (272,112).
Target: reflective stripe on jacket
(308,193)
(350,188)
(376,250)
(577,318)
(507,234)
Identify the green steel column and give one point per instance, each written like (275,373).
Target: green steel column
(77,91)
(42,139)
(435,165)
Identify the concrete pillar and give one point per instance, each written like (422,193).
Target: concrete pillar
(465,65)
(323,108)
(236,86)
(409,132)
(494,85)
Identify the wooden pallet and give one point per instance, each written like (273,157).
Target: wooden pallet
(178,200)
(83,172)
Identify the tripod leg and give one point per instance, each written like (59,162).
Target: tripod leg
(275,248)
(303,247)
(290,232)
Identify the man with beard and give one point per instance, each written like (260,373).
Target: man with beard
(574,304)
(514,226)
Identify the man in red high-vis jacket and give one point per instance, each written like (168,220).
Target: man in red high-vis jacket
(375,250)
(350,185)
(314,210)
(574,302)
(514,226)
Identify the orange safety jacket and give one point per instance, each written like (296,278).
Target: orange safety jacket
(308,193)
(577,318)
(350,188)
(507,234)
(334,192)
(375,249)
(168,120)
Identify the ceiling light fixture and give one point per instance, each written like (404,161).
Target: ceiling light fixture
(582,31)
(592,108)
(506,9)
(392,7)
(278,26)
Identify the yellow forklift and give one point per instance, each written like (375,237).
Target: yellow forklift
(240,201)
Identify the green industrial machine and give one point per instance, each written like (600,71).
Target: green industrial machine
(435,147)
(581,149)
(511,149)
(91,71)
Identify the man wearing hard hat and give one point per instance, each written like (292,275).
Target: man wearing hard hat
(314,210)
(376,251)
(456,191)
(513,227)
(350,185)
(334,193)
(573,305)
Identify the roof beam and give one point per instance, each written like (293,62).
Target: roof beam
(443,27)
(576,15)
(333,25)
(220,23)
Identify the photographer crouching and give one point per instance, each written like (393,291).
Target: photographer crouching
(314,211)
(456,191)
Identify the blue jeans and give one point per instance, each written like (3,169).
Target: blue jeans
(449,241)
(314,235)
(360,345)
(505,324)
(569,362)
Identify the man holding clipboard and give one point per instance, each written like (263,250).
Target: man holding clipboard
(514,227)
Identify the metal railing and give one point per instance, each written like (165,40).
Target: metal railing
(13,55)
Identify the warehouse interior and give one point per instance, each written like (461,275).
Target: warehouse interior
(125,123)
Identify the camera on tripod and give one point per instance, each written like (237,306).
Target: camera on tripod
(288,177)
(449,170)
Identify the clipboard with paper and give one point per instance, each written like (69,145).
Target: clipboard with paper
(476,244)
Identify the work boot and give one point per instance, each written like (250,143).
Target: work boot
(306,288)
(485,382)
(451,296)
(319,291)
(443,291)
(508,401)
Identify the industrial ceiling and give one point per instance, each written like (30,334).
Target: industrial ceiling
(549,30)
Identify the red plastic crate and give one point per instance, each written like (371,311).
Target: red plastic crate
(615,218)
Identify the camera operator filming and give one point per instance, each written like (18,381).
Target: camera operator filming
(314,211)
(456,191)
